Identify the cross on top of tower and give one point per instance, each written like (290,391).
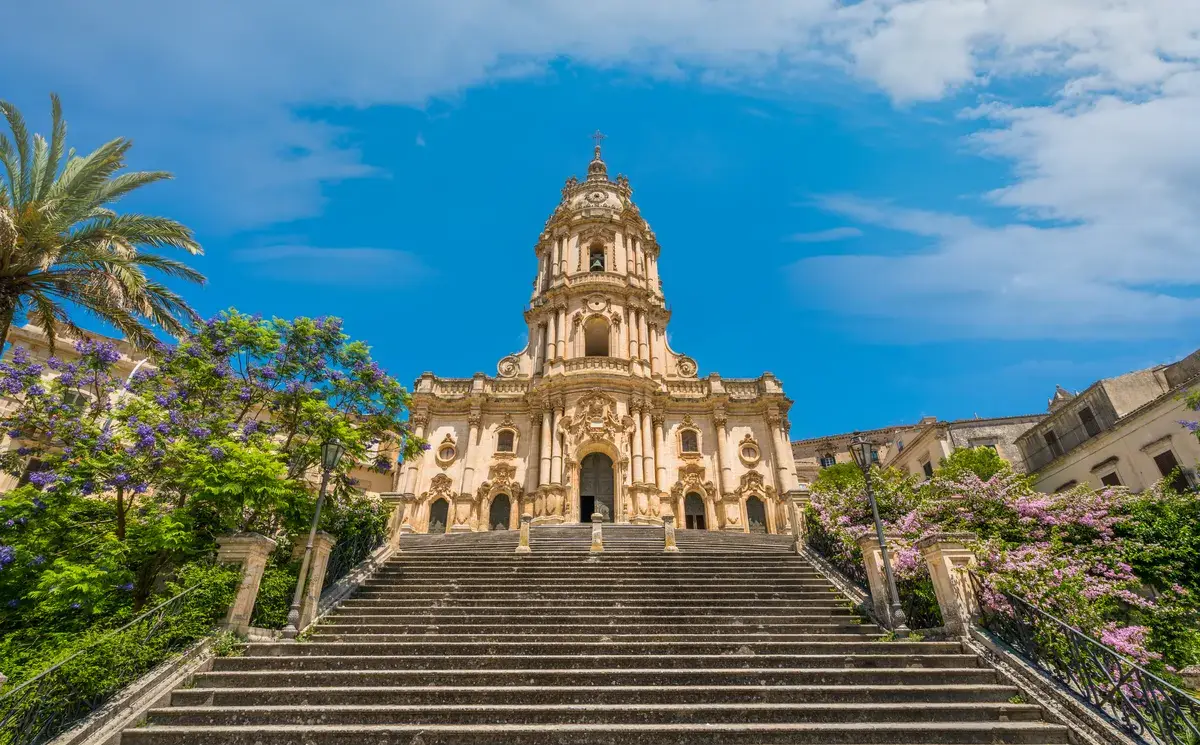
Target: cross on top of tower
(598,137)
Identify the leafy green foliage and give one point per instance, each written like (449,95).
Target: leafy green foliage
(982,462)
(222,434)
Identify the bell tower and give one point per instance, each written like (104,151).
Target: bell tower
(597,292)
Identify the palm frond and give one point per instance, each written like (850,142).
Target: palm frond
(119,186)
(16,123)
(136,230)
(58,136)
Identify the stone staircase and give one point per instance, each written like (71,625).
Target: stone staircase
(732,640)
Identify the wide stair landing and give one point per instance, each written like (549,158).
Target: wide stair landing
(732,640)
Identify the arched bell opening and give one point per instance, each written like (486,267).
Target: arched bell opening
(596,487)
(693,512)
(500,513)
(756,515)
(595,337)
(439,513)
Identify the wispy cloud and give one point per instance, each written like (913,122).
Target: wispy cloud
(420,140)
(334,266)
(825,236)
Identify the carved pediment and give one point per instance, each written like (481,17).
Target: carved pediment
(752,483)
(502,477)
(595,420)
(441,486)
(691,479)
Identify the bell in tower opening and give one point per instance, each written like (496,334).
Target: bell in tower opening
(596,262)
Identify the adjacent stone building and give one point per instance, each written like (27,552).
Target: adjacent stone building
(597,414)
(1120,431)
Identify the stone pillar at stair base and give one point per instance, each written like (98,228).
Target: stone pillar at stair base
(947,556)
(251,550)
(669,534)
(798,502)
(876,581)
(523,542)
(323,544)
(399,506)
(597,533)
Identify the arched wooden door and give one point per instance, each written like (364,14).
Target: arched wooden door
(596,487)
(438,512)
(693,512)
(500,513)
(756,515)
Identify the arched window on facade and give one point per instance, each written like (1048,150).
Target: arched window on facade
(596,259)
(595,337)
(505,441)
(500,513)
(688,441)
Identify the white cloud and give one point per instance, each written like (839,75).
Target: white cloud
(334,266)
(215,89)
(825,236)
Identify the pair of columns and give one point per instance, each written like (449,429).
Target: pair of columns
(948,557)
(648,446)
(252,552)
(550,455)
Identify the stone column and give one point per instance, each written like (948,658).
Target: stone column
(876,581)
(660,453)
(545,449)
(648,472)
(323,544)
(419,421)
(631,329)
(655,359)
(523,542)
(556,252)
(669,534)
(797,504)
(947,557)
(726,479)
(643,337)
(556,445)
(251,550)
(562,332)
(781,452)
(468,476)
(637,445)
(540,349)
(551,337)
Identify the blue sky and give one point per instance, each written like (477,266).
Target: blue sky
(900,207)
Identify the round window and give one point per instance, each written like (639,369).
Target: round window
(749,453)
(446,453)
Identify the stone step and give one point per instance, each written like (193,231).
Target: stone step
(598,625)
(591,713)
(605,626)
(471,633)
(534,646)
(598,676)
(736,659)
(531,695)
(669,605)
(933,733)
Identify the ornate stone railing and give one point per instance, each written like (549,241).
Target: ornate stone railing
(741,388)
(615,364)
(688,388)
(600,278)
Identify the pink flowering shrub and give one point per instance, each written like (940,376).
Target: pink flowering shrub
(1091,557)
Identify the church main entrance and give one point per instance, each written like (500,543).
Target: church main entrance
(693,512)
(596,487)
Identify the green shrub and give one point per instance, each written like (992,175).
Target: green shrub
(275,595)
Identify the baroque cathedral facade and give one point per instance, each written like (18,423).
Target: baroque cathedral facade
(598,414)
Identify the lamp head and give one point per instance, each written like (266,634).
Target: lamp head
(331,453)
(860,448)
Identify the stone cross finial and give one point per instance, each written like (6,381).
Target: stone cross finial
(598,137)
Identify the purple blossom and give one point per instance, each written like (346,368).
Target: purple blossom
(1190,426)
(6,556)
(215,452)
(127,587)
(42,478)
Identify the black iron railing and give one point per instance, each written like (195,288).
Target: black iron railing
(833,551)
(39,709)
(1135,699)
(350,551)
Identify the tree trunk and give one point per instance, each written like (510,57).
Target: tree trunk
(6,317)
(120,514)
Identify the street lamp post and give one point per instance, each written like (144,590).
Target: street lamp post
(861,449)
(331,453)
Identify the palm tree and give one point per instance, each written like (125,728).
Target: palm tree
(63,247)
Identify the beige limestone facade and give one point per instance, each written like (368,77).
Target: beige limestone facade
(1121,431)
(597,414)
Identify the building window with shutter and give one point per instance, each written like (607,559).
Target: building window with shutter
(1052,443)
(1088,419)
